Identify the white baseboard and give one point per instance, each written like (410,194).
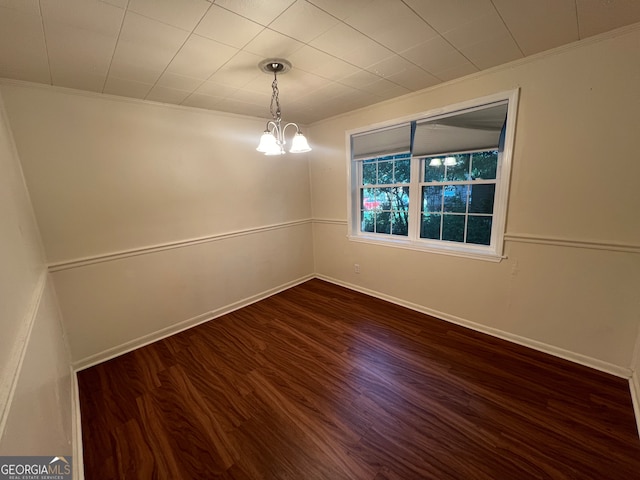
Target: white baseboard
(181,326)
(9,382)
(526,342)
(76,425)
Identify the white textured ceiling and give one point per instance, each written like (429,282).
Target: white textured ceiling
(345,53)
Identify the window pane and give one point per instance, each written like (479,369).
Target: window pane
(453,228)
(370,199)
(385,172)
(386,197)
(369,169)
(383,222)
(484,165)
(400,223)
(403,171)
(433,173)
(459,171)
(430,226)
(479,230)
(432,199)
(455,198)
(481,198)
(400,198)
(367,223)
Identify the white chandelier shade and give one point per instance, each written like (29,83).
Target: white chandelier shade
(449,161)
(272,141)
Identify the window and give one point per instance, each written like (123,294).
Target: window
(384,194)
(438,182)
(458,194)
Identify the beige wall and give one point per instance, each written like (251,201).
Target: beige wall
(107,175)
(574,180)
(172,212)
(39,422)
(110,307)
(35,403)
(20,257)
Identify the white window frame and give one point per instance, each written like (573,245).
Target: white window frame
(492,252)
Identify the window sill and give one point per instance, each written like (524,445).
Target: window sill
(454,251)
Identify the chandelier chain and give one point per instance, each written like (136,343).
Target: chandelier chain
(275,100)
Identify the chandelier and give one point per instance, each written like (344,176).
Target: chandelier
(448,161)
(272,141)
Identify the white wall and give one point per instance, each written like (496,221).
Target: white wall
(155,217)
(35,390)
(571,280)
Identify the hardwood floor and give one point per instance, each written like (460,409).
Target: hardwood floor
(320,382)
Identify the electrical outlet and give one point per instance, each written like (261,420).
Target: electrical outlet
(356,267)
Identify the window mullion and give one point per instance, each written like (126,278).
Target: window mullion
(466,213)
(414,199)
(356,223)
(441,213)
(466,203)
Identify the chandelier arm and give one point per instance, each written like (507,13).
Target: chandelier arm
(288,124)
(275,128)
(271,125)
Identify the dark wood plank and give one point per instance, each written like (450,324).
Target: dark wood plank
(320,382)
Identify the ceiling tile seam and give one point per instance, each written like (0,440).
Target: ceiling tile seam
(443,38)
(228,44)
(160,21)
(407,60)
(509,65)
(194,92)
(373,40)
(399,54)
(247,18)
(241,49)
(328,13)
(352,64)
(282,13)
(115,47)
(46,45)
(341,59)
(279,33)
(311,39)
(179,49)
(508,29)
